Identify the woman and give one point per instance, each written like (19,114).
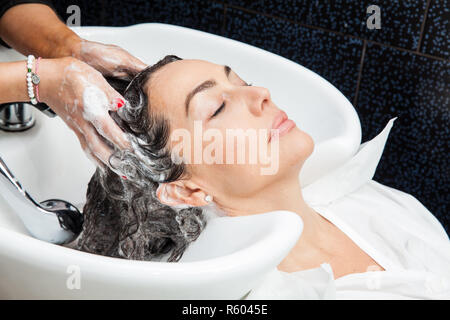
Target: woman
(153,203)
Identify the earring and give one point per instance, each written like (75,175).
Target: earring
(208,198)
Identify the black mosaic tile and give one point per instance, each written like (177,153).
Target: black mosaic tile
(92,12)
(416,89)
(334,57)
(197,14)
(436,37)
(400,20)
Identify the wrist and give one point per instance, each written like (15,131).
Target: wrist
(74,46)
(71,46)
(47,74)
(64,44)
(51,72)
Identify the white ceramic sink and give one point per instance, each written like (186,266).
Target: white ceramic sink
(232,254)
(224,263)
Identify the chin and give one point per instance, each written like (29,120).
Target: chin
(295,147)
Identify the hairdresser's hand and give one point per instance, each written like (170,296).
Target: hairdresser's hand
(82,98)
(110,60)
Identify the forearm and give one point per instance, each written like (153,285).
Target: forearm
(36,29)
(13,84)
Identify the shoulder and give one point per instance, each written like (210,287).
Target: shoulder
(400,206)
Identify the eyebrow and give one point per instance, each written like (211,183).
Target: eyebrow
(203,86)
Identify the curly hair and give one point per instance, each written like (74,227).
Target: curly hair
(123,217)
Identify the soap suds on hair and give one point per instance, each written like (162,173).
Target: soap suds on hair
(124,217)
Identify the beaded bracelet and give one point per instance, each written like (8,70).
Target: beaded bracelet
(32,78)
(36,79)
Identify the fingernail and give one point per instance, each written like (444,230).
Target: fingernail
(120,102)
(124,177)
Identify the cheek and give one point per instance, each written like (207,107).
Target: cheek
(228,180)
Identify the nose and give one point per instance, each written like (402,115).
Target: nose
(257,99)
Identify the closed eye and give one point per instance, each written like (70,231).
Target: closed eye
(223,105)
(218,110)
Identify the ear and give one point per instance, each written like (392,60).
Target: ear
(181,192)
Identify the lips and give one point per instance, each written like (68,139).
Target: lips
(278,120)
(282,123)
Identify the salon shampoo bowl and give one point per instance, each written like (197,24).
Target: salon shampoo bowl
(225,262)
(232,254)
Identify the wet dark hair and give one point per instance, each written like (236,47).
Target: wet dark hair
(123,217)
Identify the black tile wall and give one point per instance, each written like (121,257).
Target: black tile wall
(400,20)
(198,14)
(416,89)
(399,70)
(334,57)
(436,38)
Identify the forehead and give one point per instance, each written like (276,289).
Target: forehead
(170,85)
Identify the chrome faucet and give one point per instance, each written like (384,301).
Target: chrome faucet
(19,116)
(56,221)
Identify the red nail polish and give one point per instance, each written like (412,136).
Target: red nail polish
(124,177)
(120,103)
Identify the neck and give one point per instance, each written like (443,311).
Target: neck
(286,194)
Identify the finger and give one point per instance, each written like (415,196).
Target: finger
(94,159)
(135,65)
(116,101)
(106,126)
(108,129)
(96,114)
(123,74)
(131,65)
(84,147)
(96,144)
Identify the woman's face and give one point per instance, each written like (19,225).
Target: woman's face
(197,96)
